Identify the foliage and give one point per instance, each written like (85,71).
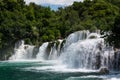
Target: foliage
(36,24)
(114,36)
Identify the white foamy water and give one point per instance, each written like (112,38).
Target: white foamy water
(59,68)
(82,54)
(56,66)
(22,51)
(42,51)
(80,50)
(104,77)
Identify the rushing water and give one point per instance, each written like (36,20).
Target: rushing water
(47,70)
(78,57)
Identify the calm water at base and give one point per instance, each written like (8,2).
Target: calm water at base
(38,70)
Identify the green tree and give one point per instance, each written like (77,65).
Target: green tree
(114,37)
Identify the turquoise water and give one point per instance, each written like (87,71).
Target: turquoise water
(37,70)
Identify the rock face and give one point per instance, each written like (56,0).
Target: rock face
(104,70)
(5,53)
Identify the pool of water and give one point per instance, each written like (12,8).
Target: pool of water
(48,70)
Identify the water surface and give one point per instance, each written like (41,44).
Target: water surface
(46,70)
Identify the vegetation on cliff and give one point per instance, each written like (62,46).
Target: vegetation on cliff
(36,24)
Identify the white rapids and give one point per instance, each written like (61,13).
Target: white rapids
(22,51)
(80,50)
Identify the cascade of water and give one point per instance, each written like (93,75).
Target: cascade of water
(22,51)
(59,48)
(55,50)
(90,53)
(74,37)
(82,54)
(81,49)
(42,51)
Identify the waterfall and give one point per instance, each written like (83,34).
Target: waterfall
(74,37)
(81,49)
(88,51)
(42,54)
(49,50)
(22,51)
(55,50)
(83,54)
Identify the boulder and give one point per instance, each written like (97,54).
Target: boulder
(104,70)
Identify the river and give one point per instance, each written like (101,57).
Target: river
(48,70)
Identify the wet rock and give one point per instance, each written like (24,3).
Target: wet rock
(104,70)
(25,47)
(98,61)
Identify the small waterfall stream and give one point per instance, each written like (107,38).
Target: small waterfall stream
(81,49)
(42,51)
(22,51)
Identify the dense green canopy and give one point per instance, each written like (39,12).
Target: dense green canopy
(114,35)
(36,24)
